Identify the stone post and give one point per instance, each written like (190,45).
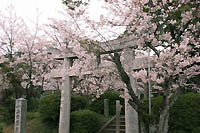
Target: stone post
(20,115)
(64,121)
(131,116)
(106,107)
(117,116)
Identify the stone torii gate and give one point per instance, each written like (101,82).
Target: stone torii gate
(64,120)
(130,64)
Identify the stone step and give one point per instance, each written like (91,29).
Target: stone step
(113,126)
(113,131)
(121,122)
(122,118)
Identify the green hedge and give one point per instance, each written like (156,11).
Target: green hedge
(184,116)
(196,130)
(1,128)
(33,104)
(7,107)
(49,107)
(98,105)
(78,102)
(85,121)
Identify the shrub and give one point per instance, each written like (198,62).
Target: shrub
(1,129)
(185,113)
(32,115)
(7,108)
(98,104)
(154,118)
(196,130)
(78,102)
(32,104)
(85,121)
(183,116)
(49,108)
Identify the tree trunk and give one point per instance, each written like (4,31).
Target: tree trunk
(164,116)
(142,126)
(132,125)
(134,101)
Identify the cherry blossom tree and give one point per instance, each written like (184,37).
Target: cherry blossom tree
(89,79)
(169,28)
(23,50)
(11,27)
(35,58)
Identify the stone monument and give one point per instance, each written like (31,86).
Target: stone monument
(20,115)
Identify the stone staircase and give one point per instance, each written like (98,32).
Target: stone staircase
(110,126)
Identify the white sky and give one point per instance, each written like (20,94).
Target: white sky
(27,9)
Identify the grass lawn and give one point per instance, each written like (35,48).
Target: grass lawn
(34,125)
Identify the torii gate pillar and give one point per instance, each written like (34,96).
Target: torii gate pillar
(65,105)
(131,118)
(64,121)
(130,113)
